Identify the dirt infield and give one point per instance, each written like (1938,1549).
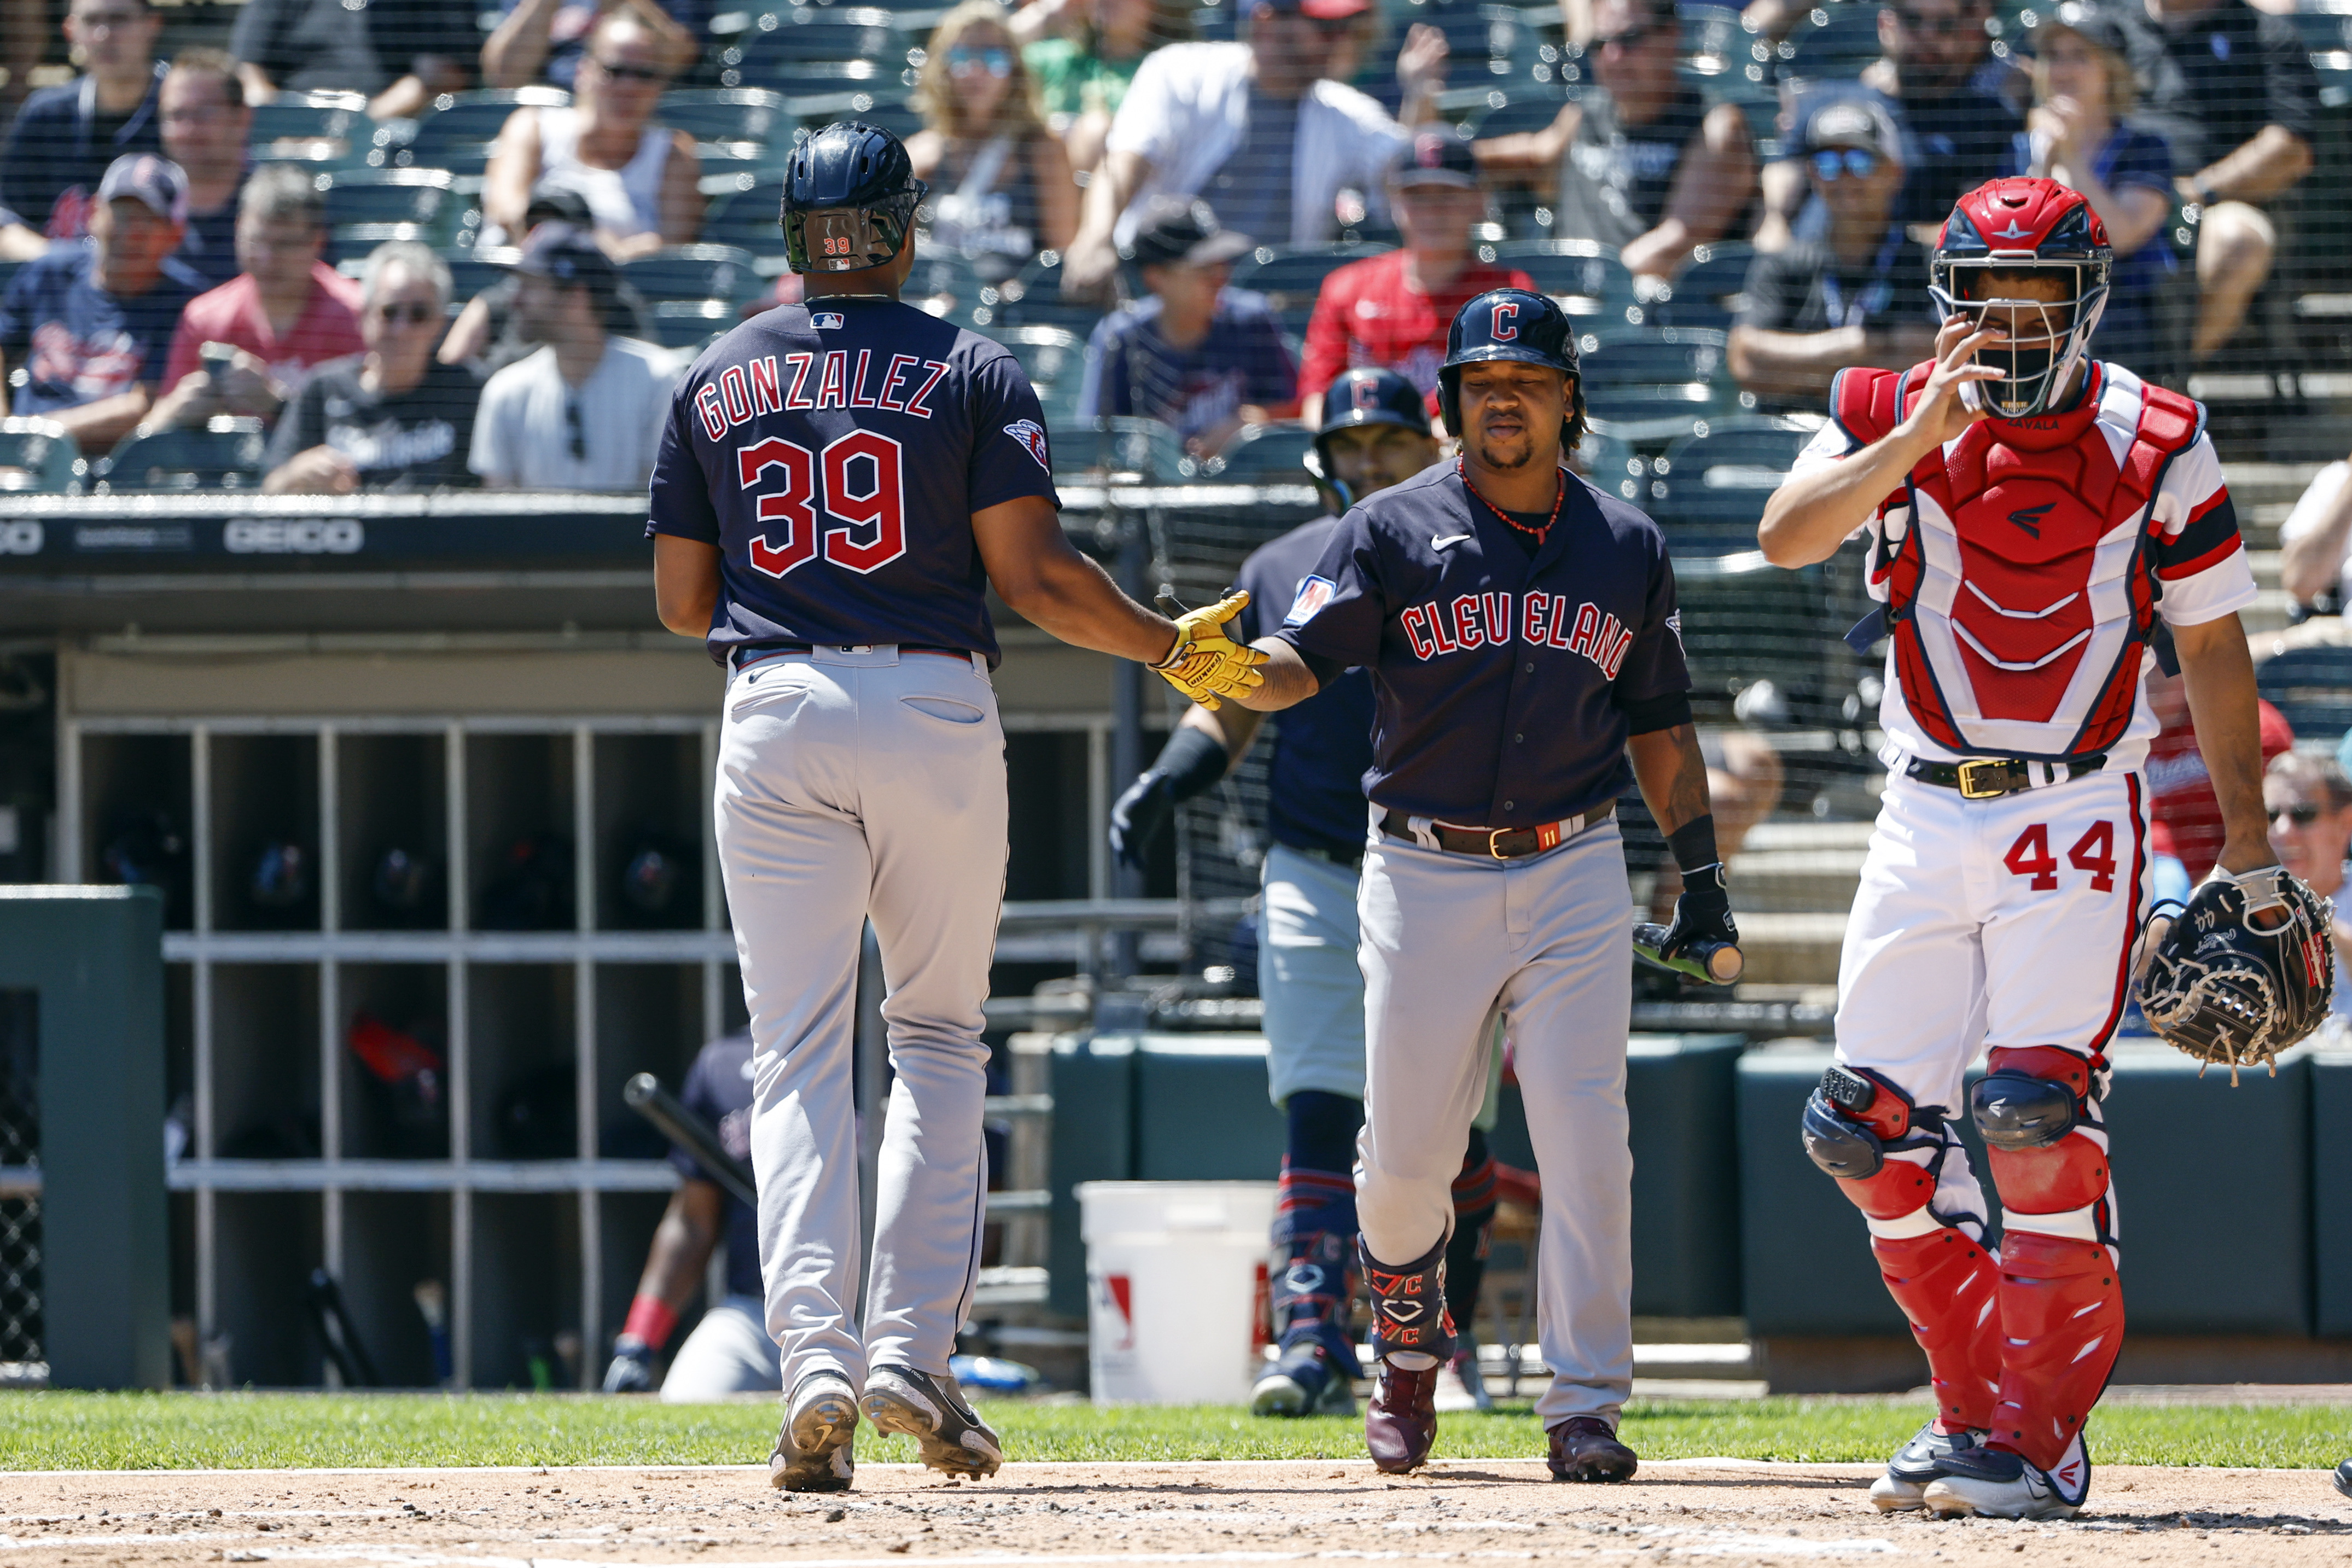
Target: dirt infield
(1464,1510)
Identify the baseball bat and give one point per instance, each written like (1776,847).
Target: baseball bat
(1716,963)
(646,1096)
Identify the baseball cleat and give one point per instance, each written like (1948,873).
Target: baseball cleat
(1997,1484)
(1306,1381)
(933,1412)
(1915,1464)
(1585,1448)
(814,1449)
(1401,1423)
(2344,1478)
(1464,1364)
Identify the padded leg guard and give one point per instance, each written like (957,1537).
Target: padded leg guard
(1473,1231)
(1409,1316)
(1947,1287)
(2062,1321)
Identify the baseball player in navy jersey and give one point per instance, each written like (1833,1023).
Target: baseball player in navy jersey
(839,483)
(1374,434)
(1520,630)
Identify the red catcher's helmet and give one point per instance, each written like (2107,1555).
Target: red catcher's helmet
(2010,224)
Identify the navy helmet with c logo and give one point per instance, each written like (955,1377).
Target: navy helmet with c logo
(1504,324)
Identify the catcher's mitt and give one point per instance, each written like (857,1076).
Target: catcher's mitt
(2245,970)
(1205,665)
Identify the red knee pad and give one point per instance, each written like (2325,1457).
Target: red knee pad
(2034,1093)
(2071,1174)
(1948,1289)
(2061,1323)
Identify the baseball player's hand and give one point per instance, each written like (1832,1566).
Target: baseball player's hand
(1702,915)
(1942,413)
(1139,816)
(1204,663)
(632,1370)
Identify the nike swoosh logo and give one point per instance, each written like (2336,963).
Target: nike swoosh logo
(1436,543)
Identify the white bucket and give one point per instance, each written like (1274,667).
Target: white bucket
(1176,1288)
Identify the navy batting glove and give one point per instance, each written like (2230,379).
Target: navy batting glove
(632,1370)
(1139,816)
(1702,915)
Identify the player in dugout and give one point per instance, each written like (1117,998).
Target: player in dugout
(729,1351)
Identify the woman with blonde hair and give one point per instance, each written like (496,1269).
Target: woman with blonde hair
(2082,85)
(1001,184)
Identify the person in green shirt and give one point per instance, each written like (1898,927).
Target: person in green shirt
(1083,53)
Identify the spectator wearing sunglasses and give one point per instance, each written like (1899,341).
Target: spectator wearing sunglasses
(1938,79)
(2309,801)
(1856,296)
(392,418)
(545,40)
(1001,186)
(401,53)
(1257,130)
(538,415)
(640,179)
(1642,164)
(2185,816)
(1082,54)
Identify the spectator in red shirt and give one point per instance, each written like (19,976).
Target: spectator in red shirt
(2187,819)
(286,312)
(1391,312)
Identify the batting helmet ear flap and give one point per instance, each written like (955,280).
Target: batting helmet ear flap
(1449,400)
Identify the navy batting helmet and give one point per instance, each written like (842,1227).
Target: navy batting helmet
(1509,324)
(850,194)
(1363,396)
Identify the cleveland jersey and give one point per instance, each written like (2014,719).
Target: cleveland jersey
(1506,684)
(2023,559)
(834,453)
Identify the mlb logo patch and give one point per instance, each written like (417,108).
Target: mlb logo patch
(1031,435)
(825,319)
(1314,593)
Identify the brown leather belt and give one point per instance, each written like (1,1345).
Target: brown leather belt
(746,656)
(1501,843)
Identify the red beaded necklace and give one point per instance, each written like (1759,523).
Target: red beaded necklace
(1559,497)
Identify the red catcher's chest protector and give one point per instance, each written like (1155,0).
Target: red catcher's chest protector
(2020,588)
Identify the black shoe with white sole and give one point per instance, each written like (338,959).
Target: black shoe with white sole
(933,1412)
(1915,1464)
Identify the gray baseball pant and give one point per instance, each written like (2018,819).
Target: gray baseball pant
(857,784)
(1448,941)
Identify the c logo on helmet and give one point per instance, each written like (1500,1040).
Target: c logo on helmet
(1365,394)
(1504,329)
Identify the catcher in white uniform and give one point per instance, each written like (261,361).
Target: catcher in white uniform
(2038,523)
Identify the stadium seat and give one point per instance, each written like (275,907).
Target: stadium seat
(780,70)
(1034,299)
(457,132)
(694,272)
(1119,451)
(724,114)
(470,271)
(1611,464)
(1056,363)
(745,216)
(38,455)
(225,455)
(1834,49)
(365,207)
(1708,491)
(1264,454)
(1645,385)
(689,323)
(1290,280)
(2311,686)
(310,127)
(1586,277)
(1708,291)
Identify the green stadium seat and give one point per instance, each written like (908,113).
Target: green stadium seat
(1264,454)
(1120,450)
(728,114)
(457,132)
(687,323)
(1708,491)
(38,455)
(1644,384)
(694,272)
(1707,292)
(1586,277)
(226,455)
(312,126)
(1290,280)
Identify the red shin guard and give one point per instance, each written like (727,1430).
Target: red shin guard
(2061,1320)
(1947,1288)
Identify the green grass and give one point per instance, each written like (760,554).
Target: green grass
(191,1431)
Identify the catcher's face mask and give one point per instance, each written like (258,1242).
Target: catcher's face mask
(2048,311)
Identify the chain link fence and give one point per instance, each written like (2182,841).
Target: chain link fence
(20,1208)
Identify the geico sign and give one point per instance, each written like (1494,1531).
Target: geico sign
(309,536)
(21,537)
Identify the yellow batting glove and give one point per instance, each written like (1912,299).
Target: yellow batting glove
(1205,665)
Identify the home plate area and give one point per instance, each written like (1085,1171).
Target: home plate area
(1716,1511)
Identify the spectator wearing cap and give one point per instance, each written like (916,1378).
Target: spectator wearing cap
(240,348)
(640,179)
(91,325)
(1199,357)
(1392,311)
(206,122)
(584,412)
(66,138)
(2232,88)
(400,53)
(1001,186)
(1856,296)
(489,335)
(2075,134)
(1256,129)
(1643,165)
(392,418)
(1939,80)
(547,40)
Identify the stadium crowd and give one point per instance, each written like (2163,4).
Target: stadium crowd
(1225,204)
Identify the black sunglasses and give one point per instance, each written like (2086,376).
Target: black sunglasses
(416,312)
(2301,816)
(579,436)
(630,73)
(1629,38)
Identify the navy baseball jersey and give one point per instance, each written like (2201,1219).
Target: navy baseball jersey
(1505,683)
(1323,746)
(719,1089)
(835,453)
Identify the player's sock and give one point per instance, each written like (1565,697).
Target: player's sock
(1315,1223)
(1473,1231)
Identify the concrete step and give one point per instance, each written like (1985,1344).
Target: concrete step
(1792,947)
(1774,881)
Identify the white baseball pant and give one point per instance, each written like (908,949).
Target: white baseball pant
(728,1353)
(1448,941)
(856,784)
